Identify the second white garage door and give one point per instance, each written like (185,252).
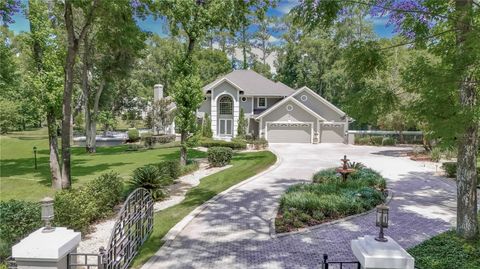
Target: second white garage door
(289,132)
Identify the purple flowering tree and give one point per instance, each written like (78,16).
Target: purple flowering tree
(8,8)
(449,30)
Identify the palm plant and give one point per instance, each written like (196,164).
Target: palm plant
(150,178)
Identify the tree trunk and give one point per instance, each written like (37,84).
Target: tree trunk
(54,161)
(72,47)
(191,46)
(402,138)
(183,148)
(53,146)
(90,133)
(90,126)
(67,112)
(467,222)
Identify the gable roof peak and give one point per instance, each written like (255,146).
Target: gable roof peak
(252,83)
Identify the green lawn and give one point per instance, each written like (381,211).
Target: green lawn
(245,165)
(19,179)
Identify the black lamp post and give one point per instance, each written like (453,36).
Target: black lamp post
(382,221)
(35,155)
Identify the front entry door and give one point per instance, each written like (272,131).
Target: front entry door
(226,127)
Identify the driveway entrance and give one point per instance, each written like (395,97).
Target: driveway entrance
(235,231)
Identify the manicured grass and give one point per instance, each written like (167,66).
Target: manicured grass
(245,165)
(19,179)
(329,198)
(446,250)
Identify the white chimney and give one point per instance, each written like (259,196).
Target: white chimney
(157,92)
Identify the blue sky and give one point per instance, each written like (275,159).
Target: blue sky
(158,26)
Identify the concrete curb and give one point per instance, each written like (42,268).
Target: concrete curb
(173,233)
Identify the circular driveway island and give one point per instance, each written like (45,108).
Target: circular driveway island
(236,230)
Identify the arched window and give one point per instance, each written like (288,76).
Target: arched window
(226,105)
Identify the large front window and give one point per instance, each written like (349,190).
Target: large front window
(226,105)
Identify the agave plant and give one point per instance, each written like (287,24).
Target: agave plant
(356,165)
(150,178)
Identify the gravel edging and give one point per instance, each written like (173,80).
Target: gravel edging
(102,230)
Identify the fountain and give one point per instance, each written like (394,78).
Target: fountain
(344,170)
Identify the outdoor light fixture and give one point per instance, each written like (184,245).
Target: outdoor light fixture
(47,214)
(382,221)
(35,155)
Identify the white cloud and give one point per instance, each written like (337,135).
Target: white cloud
(273,39)
(377,21)
(286,5)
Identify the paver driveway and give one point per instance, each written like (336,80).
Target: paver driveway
(235,230)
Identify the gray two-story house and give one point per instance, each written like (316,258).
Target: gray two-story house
(273,110)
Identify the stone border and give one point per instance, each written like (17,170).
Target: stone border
(175,230)
(275,235)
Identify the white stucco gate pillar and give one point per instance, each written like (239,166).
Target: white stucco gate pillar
(373,254)
(46,250)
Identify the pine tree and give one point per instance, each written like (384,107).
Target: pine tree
(207,127)
(242,124)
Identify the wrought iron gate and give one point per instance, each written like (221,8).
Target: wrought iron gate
(132,228)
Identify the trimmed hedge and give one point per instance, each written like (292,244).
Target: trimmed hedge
(376,140)
(389,141)
(151,140)
(219,156)
(450,168)
(362,140)
(17,220)
(78,208)
(133,135)
(235,144)
(107,190)
(75,209)
(169,168)
(260,143)
(191,167)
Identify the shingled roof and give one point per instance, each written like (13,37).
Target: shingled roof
(253,83)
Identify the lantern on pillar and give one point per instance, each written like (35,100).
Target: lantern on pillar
(47,214)
(382,221)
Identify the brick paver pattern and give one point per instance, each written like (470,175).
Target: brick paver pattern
(235,231)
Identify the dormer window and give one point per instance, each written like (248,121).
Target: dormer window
(262,102)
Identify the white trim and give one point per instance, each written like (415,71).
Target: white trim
(220,82)
(321,99)
(290,98)
(258,102)
(290,122)
(267,95)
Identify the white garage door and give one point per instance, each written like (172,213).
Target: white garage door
(289,132)
(332,133)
